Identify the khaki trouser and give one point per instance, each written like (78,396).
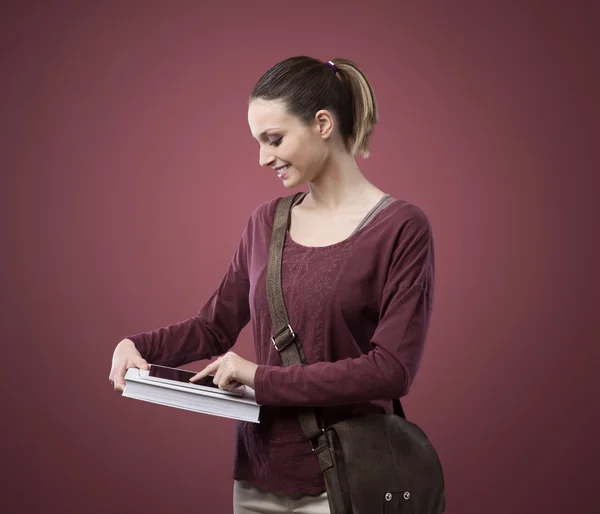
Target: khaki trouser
(250,500)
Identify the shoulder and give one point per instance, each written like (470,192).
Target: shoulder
(408,246)
(262,217)
(404,216)
(264,213)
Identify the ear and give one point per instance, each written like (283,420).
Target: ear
(324,123)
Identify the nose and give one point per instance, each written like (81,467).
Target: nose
(264,157)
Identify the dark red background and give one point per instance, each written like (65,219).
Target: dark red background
(128,172)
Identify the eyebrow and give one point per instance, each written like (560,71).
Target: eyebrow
(267,130)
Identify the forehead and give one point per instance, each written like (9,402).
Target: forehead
(266,114)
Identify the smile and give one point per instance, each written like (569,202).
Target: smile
(282,170)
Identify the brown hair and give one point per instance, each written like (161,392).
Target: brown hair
(306,85)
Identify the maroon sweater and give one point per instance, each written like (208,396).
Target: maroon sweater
(360,308)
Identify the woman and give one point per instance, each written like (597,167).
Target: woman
(357,278)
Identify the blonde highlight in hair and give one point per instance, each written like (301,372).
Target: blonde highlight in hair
(307,85)
(366,112)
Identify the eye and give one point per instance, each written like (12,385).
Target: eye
(276,142)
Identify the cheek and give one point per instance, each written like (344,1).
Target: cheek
(295,154)
(315,157)
(306,153)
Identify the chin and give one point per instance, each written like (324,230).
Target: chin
(290,183)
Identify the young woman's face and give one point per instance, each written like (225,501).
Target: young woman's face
(296,152)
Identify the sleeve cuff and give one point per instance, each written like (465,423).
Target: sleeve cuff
(260,386)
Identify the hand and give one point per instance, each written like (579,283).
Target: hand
(229,371)
(125,356)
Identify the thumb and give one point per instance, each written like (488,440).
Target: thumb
(141,364)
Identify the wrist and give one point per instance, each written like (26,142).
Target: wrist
(252,375)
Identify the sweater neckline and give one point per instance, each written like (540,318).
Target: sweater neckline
(361,227)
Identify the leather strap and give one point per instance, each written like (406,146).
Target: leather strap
(284,339)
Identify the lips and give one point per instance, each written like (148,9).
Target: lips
(282,170)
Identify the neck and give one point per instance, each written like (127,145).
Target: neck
(340,186)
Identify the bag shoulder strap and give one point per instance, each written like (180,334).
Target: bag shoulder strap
(284,339)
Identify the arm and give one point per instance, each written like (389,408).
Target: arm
(388,370)
(213,330)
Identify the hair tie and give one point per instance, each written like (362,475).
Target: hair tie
(332,66)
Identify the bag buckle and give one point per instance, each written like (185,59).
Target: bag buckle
(283,338)
(323,452)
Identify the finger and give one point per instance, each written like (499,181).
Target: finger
(112,374)
(231,385)
(142,364)
(119,379)
(220,374)
(225,376)
(208,370)
(138,363)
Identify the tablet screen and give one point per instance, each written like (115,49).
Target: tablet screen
(180,375)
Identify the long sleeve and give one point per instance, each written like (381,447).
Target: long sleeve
(214,330)
(388,369)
